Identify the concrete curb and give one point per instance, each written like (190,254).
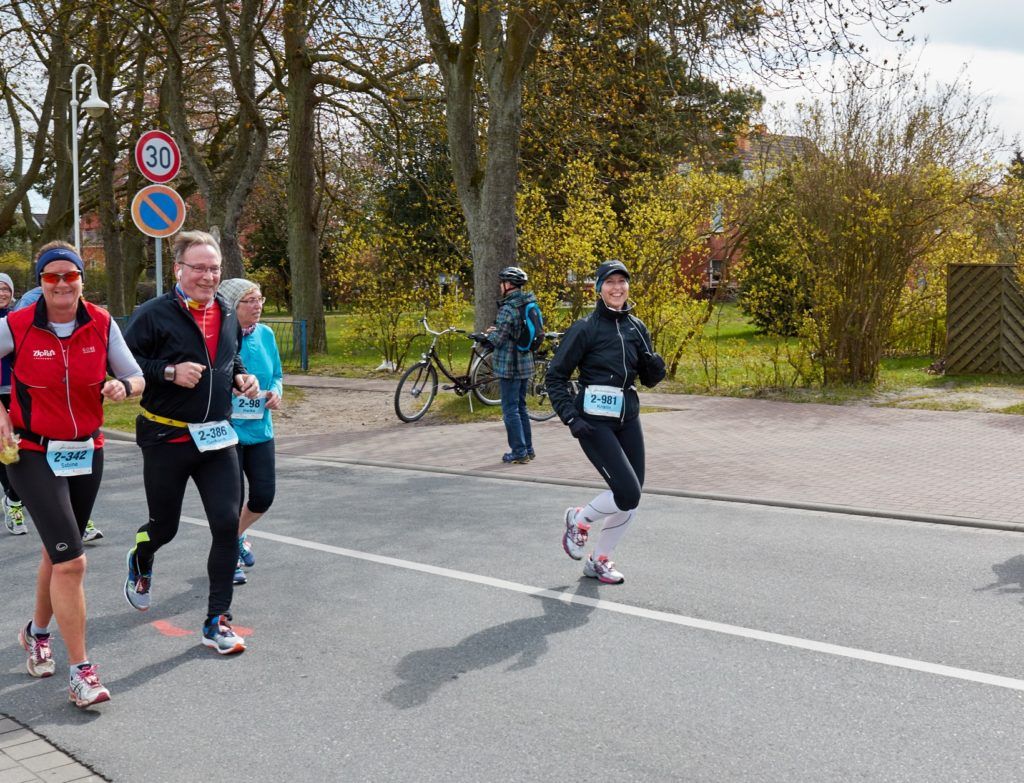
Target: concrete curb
(934,519)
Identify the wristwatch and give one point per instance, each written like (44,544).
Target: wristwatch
(127,388)
(169,373)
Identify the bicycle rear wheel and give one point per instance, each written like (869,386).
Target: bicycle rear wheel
(538,404)
(415,391)
(486,387)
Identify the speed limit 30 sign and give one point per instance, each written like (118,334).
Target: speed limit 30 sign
(157,156)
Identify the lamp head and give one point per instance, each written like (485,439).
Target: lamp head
(94,105)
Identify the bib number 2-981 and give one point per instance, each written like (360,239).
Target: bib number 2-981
(213,435)
(603,401)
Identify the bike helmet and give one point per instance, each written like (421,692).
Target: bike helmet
(609,268)
(513,275)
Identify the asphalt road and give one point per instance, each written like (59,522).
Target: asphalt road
(410,626)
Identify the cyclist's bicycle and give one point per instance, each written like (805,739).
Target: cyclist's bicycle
(418,385)
(538,404)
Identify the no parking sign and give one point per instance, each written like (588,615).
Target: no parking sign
(158,211)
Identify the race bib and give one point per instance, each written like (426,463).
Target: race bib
(70,457)
(213,435)
(603,401)
(244,408)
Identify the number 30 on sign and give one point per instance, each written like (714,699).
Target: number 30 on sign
(157,156)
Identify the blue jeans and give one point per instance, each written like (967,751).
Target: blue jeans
(513,411)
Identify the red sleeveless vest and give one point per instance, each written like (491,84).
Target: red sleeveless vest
(55,384)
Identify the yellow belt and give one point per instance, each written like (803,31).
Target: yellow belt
(163,419)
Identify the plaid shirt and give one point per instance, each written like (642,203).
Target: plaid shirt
(507,360)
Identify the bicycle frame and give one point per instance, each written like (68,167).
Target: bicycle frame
(460,384)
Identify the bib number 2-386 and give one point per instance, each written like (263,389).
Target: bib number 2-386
(213,435)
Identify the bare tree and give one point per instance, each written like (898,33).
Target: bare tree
(331,52)
(222,150)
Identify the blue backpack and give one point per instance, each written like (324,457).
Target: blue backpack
(531,331)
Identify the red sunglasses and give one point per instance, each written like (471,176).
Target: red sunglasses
(60,277)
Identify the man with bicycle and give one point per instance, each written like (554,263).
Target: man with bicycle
(513,367)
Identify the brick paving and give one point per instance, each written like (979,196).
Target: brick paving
(948,466)
(25,757)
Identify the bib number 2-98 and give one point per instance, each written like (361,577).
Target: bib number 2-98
(246,408)
(213,435)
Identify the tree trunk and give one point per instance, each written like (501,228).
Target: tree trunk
(224,184)
(303,239)
(60,214)
(503,38)
(110,226)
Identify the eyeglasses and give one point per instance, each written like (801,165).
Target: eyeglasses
(253,300)
(203,270)
(52,278)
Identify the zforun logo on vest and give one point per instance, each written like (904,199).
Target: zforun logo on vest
(45,353)
(89,349)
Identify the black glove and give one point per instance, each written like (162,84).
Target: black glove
(651,370)
(580,428)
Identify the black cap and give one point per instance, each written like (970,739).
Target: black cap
(609,268)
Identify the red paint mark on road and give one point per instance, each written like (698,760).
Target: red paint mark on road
(241,630)
(167,629)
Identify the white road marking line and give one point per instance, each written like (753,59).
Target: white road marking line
(826,648)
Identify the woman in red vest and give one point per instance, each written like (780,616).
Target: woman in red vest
(61,349)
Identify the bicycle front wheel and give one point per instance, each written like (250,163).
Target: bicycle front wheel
(416,390)
(538,404)
(486,387)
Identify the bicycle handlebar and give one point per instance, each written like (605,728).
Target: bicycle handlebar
(449,330)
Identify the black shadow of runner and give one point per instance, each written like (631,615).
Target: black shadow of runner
(425,671)
(1009,576)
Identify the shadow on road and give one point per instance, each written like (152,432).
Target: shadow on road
(522,642)
(1009,576)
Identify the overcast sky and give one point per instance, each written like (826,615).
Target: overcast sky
(985,35)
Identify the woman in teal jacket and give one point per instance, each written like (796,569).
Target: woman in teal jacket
(251,418)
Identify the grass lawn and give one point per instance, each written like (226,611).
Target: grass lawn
(731,360)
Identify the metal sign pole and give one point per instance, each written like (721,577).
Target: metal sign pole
(159,267)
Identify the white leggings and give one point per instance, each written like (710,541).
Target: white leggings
(616,521)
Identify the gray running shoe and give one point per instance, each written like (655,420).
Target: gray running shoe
(603,570)
(14,518)
(219,635)
(574,539)
(40,657)
(136,586)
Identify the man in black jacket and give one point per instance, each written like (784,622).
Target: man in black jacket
(187,344)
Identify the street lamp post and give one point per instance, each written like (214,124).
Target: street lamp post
(94,106)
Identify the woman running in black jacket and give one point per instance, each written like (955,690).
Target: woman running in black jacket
(611,348)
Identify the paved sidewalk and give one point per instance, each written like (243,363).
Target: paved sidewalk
(954,467)
(25,757)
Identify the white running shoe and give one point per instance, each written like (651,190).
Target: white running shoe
(574,539)
(603,570)
(40,657)
(14,518)
(92,533)
(85,688)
